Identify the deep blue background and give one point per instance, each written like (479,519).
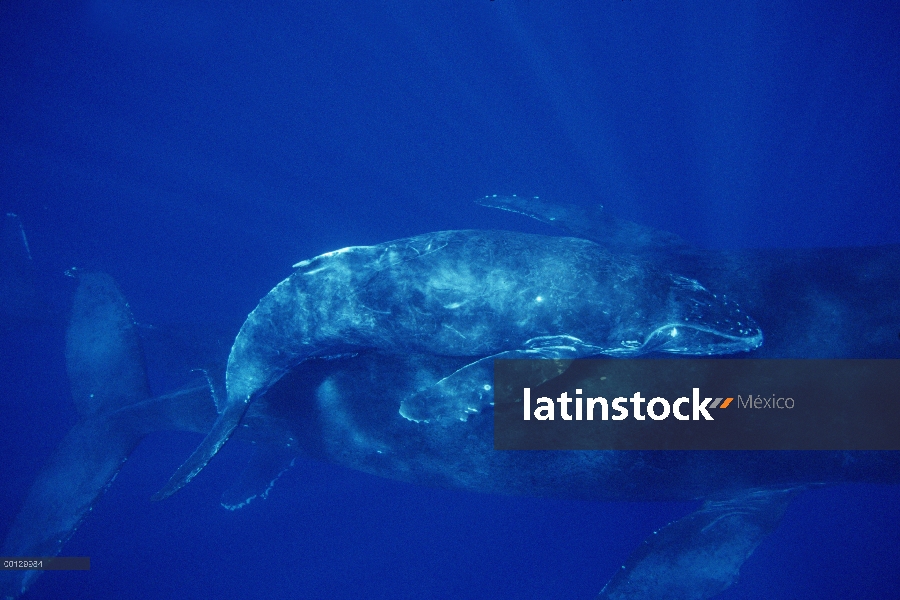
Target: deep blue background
(196,150)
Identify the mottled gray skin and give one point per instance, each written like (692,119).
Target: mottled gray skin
(345,412)
(469,294)
(478,293)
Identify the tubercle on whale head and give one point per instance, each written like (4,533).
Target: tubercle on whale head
(701,323)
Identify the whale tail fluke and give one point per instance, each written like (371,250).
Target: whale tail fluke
(109,386)
(106,372)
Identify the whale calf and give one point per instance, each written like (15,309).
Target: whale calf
(477,294)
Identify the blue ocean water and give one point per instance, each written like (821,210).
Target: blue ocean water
(196,151)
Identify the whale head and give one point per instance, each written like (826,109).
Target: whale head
(697,322)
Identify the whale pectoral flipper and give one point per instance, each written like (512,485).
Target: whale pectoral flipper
(215,439)
(466,391)
(268,463)
(591,222)
(699,556)
(470,389)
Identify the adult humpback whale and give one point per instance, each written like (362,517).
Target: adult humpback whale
(478,294)
(322,409)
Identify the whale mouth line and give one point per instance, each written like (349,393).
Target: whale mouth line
(719,342)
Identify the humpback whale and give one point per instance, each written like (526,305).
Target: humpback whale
(481,294)
(322,407)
